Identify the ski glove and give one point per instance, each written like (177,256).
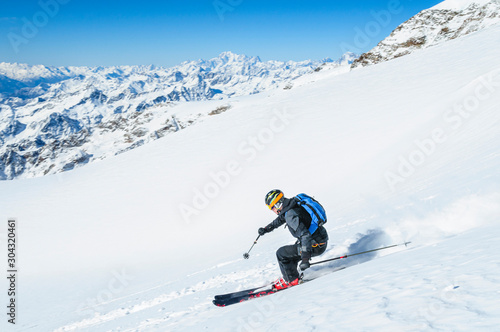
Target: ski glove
(306,256)
(264,230)
(304,265)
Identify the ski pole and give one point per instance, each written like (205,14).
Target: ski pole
(359,253)
(246,255)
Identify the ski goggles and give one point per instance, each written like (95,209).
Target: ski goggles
(274,203)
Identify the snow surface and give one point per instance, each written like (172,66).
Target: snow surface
(407,150)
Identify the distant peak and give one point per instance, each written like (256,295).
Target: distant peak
(229,56)
(349,56)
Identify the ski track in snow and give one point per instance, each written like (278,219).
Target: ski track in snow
(161,310)
(454,290)
(234,278)
(205,290)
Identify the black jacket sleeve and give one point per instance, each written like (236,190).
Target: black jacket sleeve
(301,232)
(280,220)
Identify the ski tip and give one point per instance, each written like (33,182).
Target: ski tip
(217,304)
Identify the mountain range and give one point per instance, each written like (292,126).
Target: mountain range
(53,119)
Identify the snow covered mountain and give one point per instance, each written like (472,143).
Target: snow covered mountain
(448,20)
(414,156)
(54,119)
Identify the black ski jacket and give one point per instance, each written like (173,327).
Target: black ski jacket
(298,221)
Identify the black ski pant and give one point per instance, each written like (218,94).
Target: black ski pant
(290,256)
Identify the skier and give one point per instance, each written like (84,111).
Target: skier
(298,220)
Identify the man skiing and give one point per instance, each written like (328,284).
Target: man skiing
(304,218)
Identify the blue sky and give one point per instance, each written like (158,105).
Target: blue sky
(165,33)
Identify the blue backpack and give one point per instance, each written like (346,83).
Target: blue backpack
(312,206)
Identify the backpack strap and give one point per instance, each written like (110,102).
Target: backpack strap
(313,210)
(318,216)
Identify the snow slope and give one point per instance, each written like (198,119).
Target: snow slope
(407,150)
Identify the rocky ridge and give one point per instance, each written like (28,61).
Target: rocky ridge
(448,20)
